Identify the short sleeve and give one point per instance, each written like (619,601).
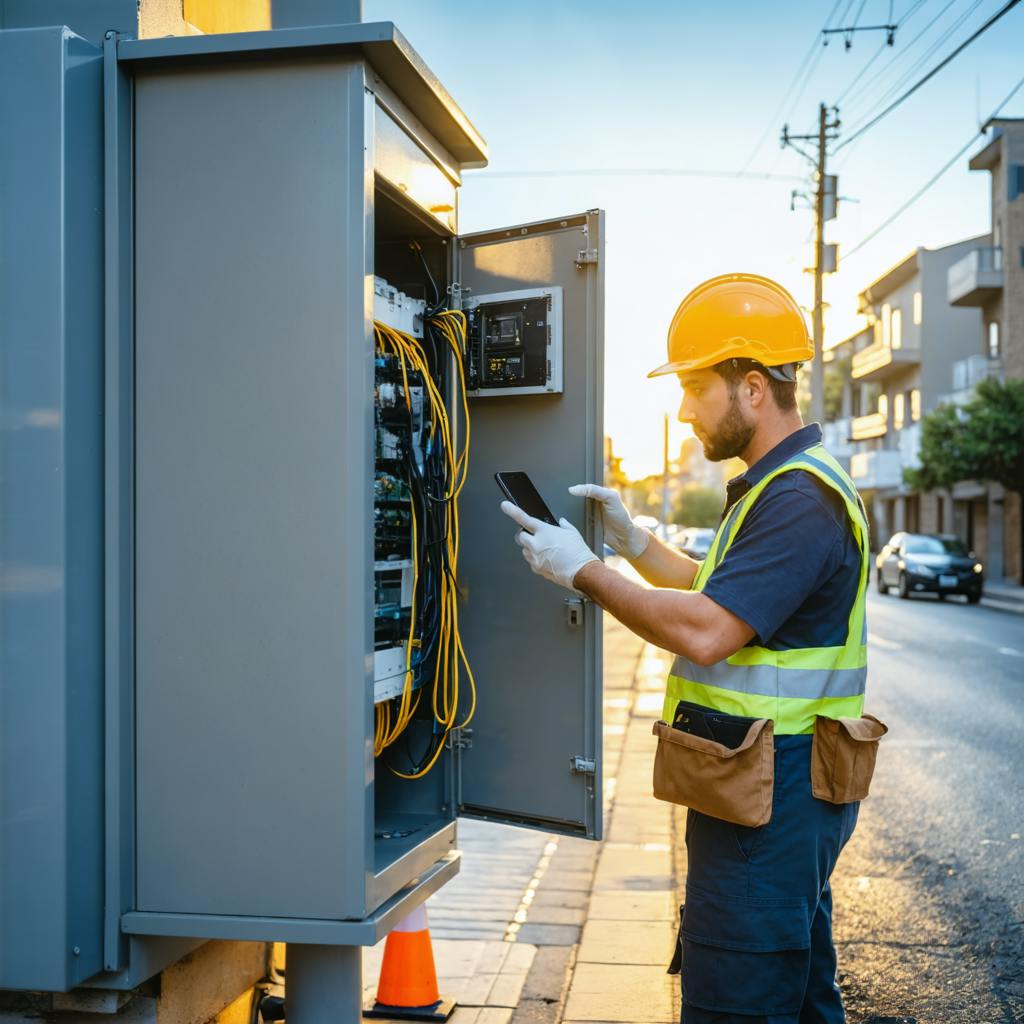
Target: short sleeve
(790,543)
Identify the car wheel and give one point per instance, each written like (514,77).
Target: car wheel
(903,588)
(974,597)
(941,596)
(882,586)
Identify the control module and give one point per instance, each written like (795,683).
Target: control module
(515,343)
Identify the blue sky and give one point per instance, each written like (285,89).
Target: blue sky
(693,85)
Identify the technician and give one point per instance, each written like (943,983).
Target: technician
(770,626)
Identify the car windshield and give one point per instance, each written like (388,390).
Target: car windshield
(935,546)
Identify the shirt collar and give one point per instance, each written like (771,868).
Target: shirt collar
(799,441)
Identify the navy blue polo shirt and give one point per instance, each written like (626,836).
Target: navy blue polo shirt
(792,572)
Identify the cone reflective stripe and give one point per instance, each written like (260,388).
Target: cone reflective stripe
(408,978)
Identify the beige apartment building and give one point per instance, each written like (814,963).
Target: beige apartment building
(902,365)
(938,323)
(990,280)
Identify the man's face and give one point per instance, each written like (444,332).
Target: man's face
(715,412)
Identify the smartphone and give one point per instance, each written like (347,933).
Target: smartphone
(519,489)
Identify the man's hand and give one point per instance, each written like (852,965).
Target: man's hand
(621,534)
(555,552)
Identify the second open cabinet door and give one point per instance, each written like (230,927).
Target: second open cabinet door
(532,753)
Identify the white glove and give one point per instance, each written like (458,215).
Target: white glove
(621,534)
(555,552)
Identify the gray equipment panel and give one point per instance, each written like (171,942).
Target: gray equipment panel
(254,379)
(538,674)
(51,510)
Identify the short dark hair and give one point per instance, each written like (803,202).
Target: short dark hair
(732,372)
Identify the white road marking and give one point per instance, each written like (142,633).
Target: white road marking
(886,645)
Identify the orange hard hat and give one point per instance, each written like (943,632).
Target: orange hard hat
(736,316)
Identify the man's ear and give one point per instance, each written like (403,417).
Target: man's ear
(755,385)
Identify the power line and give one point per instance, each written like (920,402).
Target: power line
(934,178)
(888,93)
(655,172)
(816,47)
(1008,6)
(908,13)
(898,56)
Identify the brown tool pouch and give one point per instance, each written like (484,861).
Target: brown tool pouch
(843,757)
(734,784)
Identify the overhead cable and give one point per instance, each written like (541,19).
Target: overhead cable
(770,123)
(1006,8)
(934,178)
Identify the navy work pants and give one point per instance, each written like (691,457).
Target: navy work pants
(756,928)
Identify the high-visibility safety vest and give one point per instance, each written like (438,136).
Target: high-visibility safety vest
(789,686)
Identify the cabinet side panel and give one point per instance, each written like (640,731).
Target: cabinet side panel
(51,509)
(253,576)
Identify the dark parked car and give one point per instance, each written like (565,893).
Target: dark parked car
(929,563)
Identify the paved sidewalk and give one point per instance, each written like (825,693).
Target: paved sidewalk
(540,928)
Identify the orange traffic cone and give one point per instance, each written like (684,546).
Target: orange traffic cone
(407,989)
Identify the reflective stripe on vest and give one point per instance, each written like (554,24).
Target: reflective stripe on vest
(790,686)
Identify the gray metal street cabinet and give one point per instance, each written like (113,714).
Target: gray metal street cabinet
(196,232)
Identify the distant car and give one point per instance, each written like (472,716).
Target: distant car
(695,541)
(929,563)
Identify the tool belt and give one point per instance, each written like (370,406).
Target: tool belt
(734,781)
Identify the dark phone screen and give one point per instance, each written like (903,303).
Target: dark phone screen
(519,489)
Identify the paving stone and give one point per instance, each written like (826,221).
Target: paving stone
(627,942)
(548,978)
(555,915)
(634,867)
(549,896)
(506,989)
(633,906)
(559,879)
(548,934)
(620,992)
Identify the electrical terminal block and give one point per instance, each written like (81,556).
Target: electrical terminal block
(396,309)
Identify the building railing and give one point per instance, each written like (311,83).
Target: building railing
(973,370)
(874,424)
(877,470)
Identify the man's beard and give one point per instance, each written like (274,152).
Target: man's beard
(731,436)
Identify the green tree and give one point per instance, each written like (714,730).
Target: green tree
(698,506)
(983,440)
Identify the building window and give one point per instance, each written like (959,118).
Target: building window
(993,339)
(915,405)
(886,325)
(1016,182)
(917,308)
(896,328)
(897,411)
(883,406)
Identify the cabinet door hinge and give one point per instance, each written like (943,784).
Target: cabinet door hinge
(579,765)
(585,256)
(574,611)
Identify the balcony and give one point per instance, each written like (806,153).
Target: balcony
(863,428)
(977,278)
(878,361)
(968,374)
(876,471)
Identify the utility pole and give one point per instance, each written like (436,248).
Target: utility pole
(825,203)
(818,363)
(664,485)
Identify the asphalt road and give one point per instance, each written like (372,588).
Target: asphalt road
(929,918)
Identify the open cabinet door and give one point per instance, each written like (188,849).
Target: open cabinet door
(532,753)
